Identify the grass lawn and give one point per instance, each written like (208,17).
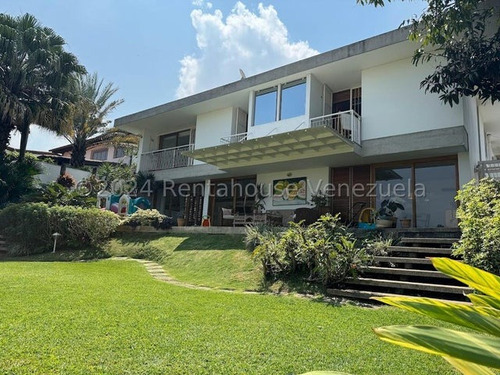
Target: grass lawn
(112,317)
(218,261)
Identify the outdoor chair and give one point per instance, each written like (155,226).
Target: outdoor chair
(227,216)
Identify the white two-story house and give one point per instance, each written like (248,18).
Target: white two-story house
(352,122)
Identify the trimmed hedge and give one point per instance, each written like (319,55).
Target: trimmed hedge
(28,227)
(479,214)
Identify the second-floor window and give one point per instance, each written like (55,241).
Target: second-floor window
(100,154)
(280,103)
(119,152)
(175,139)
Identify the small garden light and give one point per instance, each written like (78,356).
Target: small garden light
(55,235)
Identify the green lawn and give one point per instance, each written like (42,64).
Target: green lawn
(112,317)
(218,261)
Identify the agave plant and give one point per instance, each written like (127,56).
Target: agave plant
(471,353)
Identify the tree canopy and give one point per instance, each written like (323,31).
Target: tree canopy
(89,114)
(463,38)
(35,73)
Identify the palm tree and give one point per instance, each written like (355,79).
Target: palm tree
(35,73)
(89,115)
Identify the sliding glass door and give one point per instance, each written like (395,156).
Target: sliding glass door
(425,189)
(435,197)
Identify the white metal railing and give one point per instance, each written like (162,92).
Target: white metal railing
(489,168)
(347,124)
(167,158)
(234,138)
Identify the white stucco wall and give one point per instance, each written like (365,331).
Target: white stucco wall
(477,143)
(212,126)
(315,97)
(317,178)
(277,127)
(394,104)
(51,172)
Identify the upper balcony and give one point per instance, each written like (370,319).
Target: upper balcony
(167,158)
(346,124)
(323,136)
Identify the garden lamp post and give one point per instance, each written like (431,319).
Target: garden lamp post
(55,235)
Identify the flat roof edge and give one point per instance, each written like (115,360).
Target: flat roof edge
(357,48)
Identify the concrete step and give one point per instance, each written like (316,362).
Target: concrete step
(366,294)
(396,284)
(390,259)
(404,272)
(418,249)
(428,240)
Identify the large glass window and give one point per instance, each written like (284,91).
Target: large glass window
(435,197)
(265,106)
(394,185)
(426,191)
(175,139)
(293,100)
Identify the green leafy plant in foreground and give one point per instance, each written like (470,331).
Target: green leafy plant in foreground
(469,352)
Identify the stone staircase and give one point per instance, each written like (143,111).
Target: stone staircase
(406,270)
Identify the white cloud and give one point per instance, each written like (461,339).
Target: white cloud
(254,42)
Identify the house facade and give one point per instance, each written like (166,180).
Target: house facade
(351,123)
(99,148)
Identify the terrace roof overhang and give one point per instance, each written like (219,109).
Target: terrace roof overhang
(291,146)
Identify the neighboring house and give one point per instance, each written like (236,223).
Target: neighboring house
(353,118)
(99,148)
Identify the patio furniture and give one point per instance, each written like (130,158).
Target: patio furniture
(227,216)
(255,219)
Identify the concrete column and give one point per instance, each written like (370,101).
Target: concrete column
(206,197)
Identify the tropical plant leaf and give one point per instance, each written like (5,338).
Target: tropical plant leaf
(483,281)
(481,318)
(480,349)
(469,368)
(480,300)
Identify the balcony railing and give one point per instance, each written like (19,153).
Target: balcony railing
(347,124)
(167,158)
(489,168)
(234,138)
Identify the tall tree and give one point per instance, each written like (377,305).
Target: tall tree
(463,38)
(35,72)
(89,115)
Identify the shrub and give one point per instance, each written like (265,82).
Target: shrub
(325,249)
(29,226)
(479,215)
(17,179)
(55,194)
(151,218)
(66,180)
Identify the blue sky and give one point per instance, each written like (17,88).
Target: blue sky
(158,50)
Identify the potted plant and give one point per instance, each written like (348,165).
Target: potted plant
(385,214)
(320,202)
(405,222)
(181,221)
